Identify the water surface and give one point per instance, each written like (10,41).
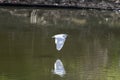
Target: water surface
(28,51)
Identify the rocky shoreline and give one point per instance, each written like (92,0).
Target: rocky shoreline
(113,5)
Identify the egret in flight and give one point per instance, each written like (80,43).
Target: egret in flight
(60,40)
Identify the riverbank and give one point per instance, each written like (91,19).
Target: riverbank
(102,5)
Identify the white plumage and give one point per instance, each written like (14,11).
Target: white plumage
(60,40)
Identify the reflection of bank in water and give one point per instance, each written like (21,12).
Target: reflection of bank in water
(70,17)
(34,19)
(59,68)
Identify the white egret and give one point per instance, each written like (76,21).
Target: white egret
(60,40)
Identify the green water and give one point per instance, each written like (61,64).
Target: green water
(27,49)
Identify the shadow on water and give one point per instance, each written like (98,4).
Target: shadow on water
(91,51)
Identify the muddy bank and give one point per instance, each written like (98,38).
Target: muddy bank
(101,4)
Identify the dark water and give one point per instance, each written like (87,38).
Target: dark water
(28,51)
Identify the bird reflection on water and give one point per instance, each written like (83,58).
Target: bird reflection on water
(59,68)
